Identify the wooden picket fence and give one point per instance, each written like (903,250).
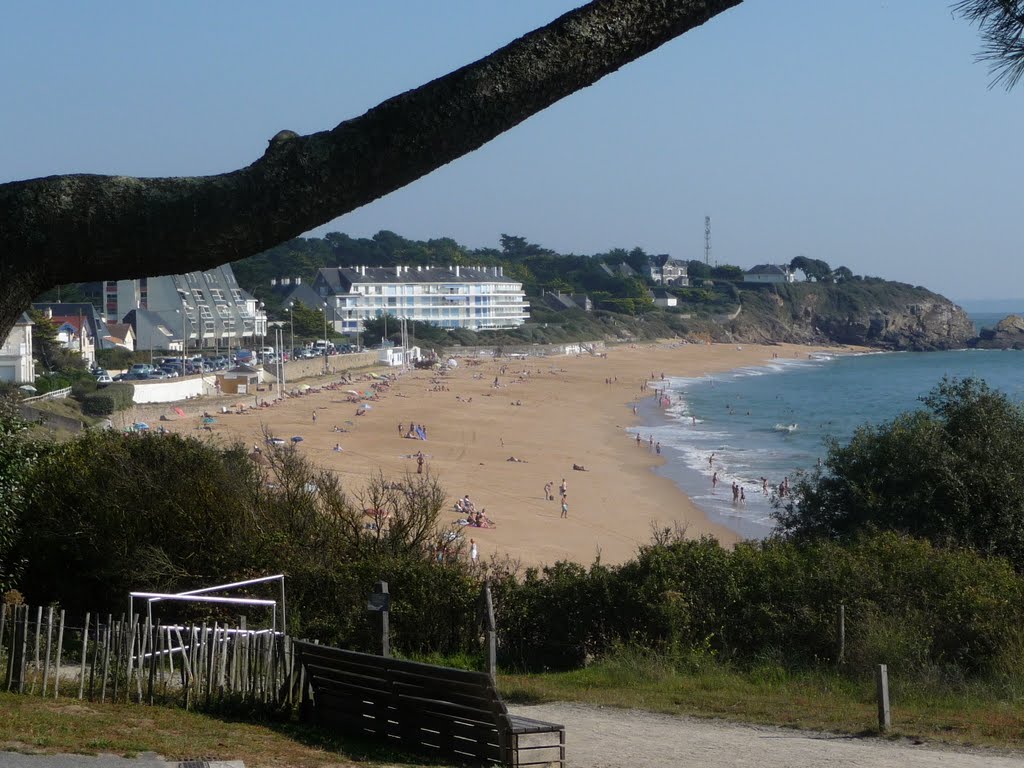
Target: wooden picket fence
(128,659)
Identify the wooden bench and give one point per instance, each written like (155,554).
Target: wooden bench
(451,712)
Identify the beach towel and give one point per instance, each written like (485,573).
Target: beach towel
(420,433)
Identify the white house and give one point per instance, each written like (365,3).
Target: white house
(769,273)
(16,354)
(476,298)
(673,272)
(664,299)
(73,334)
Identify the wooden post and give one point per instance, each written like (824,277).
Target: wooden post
(3,622)
(85,655)
(385,621)
(60,647)
(492,644)
(882,687)
(841,636)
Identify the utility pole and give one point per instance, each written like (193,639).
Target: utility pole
(707,240)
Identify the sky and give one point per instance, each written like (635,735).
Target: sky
(861,133)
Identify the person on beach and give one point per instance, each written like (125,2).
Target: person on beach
(565,506)
(743,496)
(473,553)
(638,439)
(419,463)
(547,491)
(711,460)
(714,481)
(563,488)
(657,448)
(401,432)
(314,417)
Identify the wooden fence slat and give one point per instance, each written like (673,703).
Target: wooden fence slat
(154,658)
(107,636)
(60,647)
(49,640)
(12,653)
(35,652)
(85,655)
(23,661)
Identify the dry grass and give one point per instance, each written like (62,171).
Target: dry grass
(815,700)
(34,725)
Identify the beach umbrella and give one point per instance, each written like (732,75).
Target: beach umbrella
(351,392)
(140,426)
(297,439)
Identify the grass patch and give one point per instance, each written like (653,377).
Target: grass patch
(768,693)
(34,725)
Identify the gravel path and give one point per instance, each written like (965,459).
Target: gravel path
(600,737)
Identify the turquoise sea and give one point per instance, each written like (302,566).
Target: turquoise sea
(772,421)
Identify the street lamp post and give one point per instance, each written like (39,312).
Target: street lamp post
(325,337)
(279,341)
(291,325)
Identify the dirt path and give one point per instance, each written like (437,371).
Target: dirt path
(599,737)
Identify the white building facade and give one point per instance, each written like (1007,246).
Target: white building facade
(16,354)
(769,273)
(201,309)
(475,298)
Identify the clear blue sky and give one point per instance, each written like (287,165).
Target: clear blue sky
(861,133)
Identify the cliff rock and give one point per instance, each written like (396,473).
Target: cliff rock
(870,313)
(1007,334)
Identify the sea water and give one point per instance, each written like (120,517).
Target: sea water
(774,420)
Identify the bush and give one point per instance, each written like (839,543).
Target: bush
(109,400)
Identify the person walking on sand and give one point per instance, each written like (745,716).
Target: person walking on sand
(419,463)
(638,438)
(563,488)
(314,417)
(547,491)
(401,432)
(657,448)
(565,506)
(473,553)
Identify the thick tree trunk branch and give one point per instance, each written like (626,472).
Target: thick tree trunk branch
(74,228)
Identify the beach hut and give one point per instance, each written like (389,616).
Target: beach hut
(240,380)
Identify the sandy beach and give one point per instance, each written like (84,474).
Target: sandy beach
(548,412)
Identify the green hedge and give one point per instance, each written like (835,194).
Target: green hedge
(116,397)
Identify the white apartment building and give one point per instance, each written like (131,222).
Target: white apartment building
(476,298)
(191,311)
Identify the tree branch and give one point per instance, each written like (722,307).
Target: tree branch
(76,228)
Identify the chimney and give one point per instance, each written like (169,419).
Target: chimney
(501,271)
(273,282)
(398,271)
(419,268)
(457,270)
(298,281)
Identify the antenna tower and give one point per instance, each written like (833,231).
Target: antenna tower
(707,240)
